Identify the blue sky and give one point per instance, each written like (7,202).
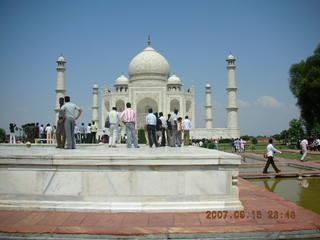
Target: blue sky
(99,38)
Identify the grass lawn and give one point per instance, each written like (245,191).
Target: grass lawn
(297,156)
(259,146)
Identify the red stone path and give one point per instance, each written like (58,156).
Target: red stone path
(252,196)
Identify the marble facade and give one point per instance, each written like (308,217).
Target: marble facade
(119,180)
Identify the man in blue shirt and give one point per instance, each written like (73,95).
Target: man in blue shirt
(151,121)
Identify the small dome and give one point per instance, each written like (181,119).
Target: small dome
(174,80)
(149,62)
(208,85)
(122,80)
(95,86)
(231,57)
(61,59)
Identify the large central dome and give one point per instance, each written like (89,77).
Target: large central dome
(149,63)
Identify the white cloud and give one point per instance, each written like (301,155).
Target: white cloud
(242,103)
(267,101)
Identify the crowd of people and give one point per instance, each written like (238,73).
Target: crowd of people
(238,145)
(167,132)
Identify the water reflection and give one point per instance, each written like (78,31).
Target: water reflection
(304,192)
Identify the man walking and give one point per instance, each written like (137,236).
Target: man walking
(128,116)
(186,126)
(151,121)
(114,120)
(304,149)
(72,112)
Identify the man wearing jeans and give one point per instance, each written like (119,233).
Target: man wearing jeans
(72,112)
(128,116)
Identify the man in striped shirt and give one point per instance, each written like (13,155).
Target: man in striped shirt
(128,116)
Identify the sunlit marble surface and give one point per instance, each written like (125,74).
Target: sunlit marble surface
(98,178)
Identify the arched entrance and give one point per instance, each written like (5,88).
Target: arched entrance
(120,105)
(142,110)
(174,104)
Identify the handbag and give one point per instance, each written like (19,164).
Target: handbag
(107,124)
(265,155)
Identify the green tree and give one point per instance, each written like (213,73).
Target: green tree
(296,129)
(2,135)
(254,141)
(305,86)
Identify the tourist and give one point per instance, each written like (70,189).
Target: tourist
(237,145)
(179,131)
(12,127)
(151,121)
(128,116)
(48,131)
(114,119)
(76,133)
(72,112)
(270,154)
(60,132)
(304,149)
(169,130)
(242,145)
(88,133)
(158,129)
(233,146)
(174,121)
(163,129)
(318,144)
(186,125)
(94,130)
(216,144)
(42,133)
(82,133)
(54,129)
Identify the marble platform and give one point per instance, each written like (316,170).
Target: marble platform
(102,179)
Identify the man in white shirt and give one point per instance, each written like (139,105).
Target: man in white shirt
(72,112)
(186,126)
(164,129)
(88,133)
(49,134)
(304,149)
(114,120)
(174,121)
(318,144)
(151,122)
(94,130)
(270,154)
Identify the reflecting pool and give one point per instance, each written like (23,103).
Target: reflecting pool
(304,192)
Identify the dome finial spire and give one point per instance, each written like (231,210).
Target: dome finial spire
(149,40)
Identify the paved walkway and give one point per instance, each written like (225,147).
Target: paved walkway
(260,218)
(308,168)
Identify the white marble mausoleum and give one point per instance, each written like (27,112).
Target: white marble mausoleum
(150,84)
